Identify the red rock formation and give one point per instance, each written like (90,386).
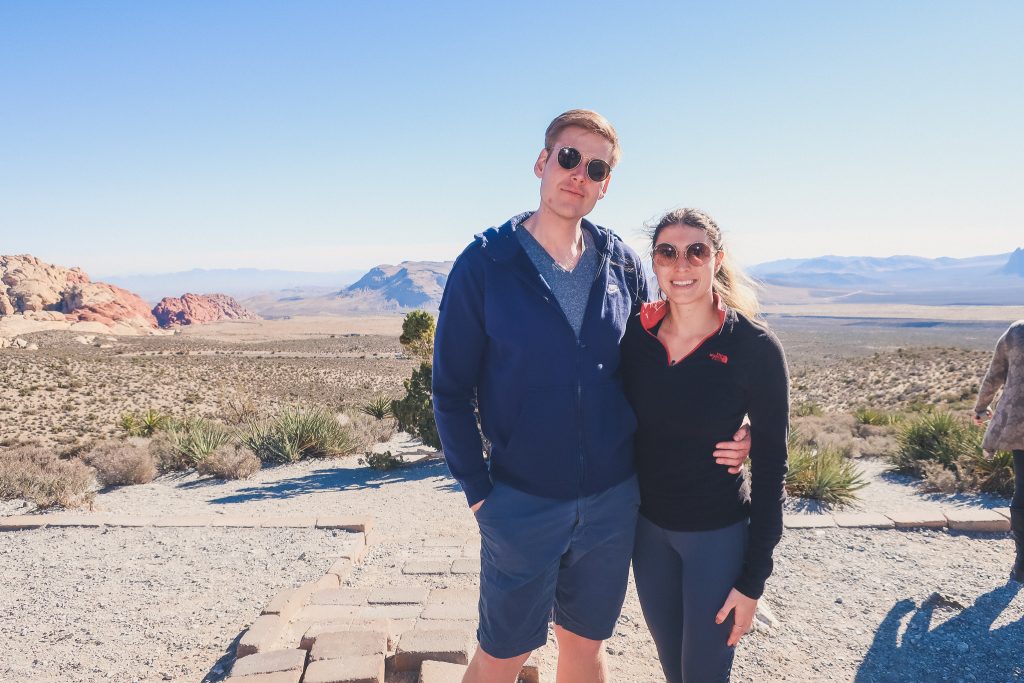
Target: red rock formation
(195,309)
(28,285)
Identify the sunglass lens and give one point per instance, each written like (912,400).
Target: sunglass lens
(698,253)
(569,158)
(665,255)
(598,170)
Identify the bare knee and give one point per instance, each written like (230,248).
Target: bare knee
(486,668)
(577,644)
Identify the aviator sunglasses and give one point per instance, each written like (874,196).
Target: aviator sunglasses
(698,254)
(597,169)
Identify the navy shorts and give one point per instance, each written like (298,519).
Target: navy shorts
(541,557)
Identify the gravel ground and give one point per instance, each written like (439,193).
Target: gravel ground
(852,605)
(142,604)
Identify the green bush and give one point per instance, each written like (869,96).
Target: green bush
(383,461)
(991,475)
(935,437)
(822,473)
(298,433)
(415,412)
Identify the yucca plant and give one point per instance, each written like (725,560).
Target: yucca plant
(194,438)
(379,408)
(822,473)
(298,433)
(993,475)
(873,416)
(129,422)
(151,422)
(938,437)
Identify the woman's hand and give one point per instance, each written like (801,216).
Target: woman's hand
(743,617)
(980,418)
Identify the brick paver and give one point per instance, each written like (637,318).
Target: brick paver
(270,662)
(21,522)
(808,521)
(976,520)
(466,565)
(339,596)
(441,672)
(349,644)
(398,595)
(918,519)
(363,525)
(427,567)
(443,646)
(862,520)
(261,636)
(293,676)
(367,669)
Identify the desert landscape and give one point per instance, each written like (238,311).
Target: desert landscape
(109,602)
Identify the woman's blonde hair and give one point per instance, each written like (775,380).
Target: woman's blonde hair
(733,286)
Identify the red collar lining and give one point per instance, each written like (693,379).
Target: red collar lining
(653,313)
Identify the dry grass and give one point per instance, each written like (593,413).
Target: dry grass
(232,461)
(121,463)
(38,475)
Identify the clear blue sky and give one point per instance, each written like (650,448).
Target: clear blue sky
(148,136)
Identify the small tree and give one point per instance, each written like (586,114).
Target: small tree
(418,335)
(415,412)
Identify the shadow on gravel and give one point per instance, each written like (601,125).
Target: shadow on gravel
(340,480)
(219,670)
(963,648)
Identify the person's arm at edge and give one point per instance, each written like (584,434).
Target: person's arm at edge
(459,345)
(994,378)
(769,425)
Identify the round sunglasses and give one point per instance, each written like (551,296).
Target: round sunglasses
(597,169)
(698,254)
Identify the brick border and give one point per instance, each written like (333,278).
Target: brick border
(953,519)
(363,525)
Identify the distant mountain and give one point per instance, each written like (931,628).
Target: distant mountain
(1015,266)
(384,289)
(980,280)
(410,284)
(237,282)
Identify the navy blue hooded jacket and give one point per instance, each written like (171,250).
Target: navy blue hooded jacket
(551,405)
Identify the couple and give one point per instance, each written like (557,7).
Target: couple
(612,425)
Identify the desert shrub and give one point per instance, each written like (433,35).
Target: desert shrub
(823,473)
(118,463)
(379,408)
(368,430)
(240,410)
(938,437)
(383,461)
(415,412)
(873,416)
(38,475)
(937,479)
(184,443)
(807,408)
(991,475)
(129,423)
(230,461)
(418,334)
(298,433)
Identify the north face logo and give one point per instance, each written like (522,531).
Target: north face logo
(720,357)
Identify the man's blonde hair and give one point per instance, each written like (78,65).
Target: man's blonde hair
(588,120)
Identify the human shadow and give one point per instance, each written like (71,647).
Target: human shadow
(220,669)
(963,645)
(340,479)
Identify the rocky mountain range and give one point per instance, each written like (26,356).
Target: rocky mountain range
(237,282)
(35,295)
(979,280)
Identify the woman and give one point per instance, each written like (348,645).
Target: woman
(1006,430)
(694,363)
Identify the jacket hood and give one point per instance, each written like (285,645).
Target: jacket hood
(501,243)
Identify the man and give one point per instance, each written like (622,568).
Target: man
(528,334)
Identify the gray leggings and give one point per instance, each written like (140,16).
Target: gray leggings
(683,578)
